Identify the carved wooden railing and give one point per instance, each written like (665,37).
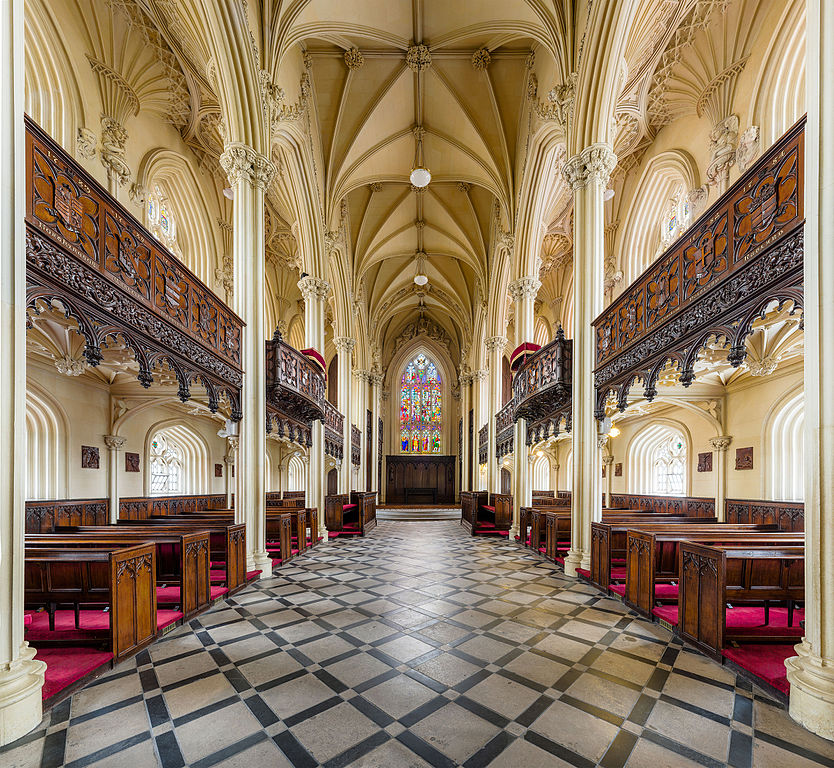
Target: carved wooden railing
(355,445)
(117,282)
(504,430)
(745,252)
(694,506)
(483,444)
(542,383)
(294,385)
(285,426)
(334,430)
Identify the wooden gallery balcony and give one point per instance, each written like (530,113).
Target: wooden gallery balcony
(295,398)
(89,257)
(738,260)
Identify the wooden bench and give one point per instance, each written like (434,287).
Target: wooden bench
(182,559)
(353,513)
(723,591)
(652,558)
(123,578)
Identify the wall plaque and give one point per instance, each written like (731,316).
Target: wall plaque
(705,462)
(89,457)
(744,458)
(131,462)
(618,470)
(218,470)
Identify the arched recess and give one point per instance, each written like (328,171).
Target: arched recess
(170,175)
(47,450)
(296,332)
(779,93)
(542,334)
(784,440)
(296,474)
(541,473)
(566,475)
(658,459)
(194,452)
(53,99)
(439,355)
(664,183)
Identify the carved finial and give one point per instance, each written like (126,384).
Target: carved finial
(277,335)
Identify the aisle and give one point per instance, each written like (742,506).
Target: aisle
(419,646)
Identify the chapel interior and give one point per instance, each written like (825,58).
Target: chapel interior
(405,383)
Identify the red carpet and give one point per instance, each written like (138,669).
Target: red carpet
(250,575)
(747,620)
(763,660)
(66,665)
(618,589)
(92,625)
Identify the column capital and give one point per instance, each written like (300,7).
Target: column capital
(343,344)
(229,460)
(594,163)
(721,443)
(233,443)
(602,441)
(608,460)
(524,288)
(376,379)
(479,375)
(242,163)
(313,287)
(115,442)
(495,343)
(362,375)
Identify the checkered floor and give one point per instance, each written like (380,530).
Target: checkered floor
(419,646)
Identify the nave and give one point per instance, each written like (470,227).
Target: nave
(419,645)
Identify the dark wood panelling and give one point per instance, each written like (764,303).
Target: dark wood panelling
(427,471)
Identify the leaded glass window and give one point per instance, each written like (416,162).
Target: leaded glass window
(421,407)
(670,466)
(166,462)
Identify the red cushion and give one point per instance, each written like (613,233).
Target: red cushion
(618,589)
(168,595)
(252,575)
(27,619)
(218,592)
(764,660)
(669,613)
(217,575)
(489,509)
(346,507)
(584,572)
(666,591)
(618,573)
(165,617)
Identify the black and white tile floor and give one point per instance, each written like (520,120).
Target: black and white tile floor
(419,646)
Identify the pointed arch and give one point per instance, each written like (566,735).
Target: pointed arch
(47,451)
(187,463)
(785,450)
(658,460)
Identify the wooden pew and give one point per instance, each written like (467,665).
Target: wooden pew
(715,577)
(366,509)
(470,502)
(182,559)
(353,512)
(652,558)
(227,541)
(122,577)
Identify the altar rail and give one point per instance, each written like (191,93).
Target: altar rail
(43,515)
(788,515)
(110,275)
(716,279)
(693,506)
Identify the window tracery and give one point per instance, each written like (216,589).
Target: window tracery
(160,221)
(166,462)
(421,407)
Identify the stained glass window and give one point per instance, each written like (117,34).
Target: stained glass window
(166,462)
(421,407)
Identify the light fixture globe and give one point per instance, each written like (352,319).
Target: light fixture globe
(420,177)
(420,279)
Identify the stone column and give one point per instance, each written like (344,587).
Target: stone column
(465,449)
(114,444)
(495,351)
(588,174)
(478,398)
(314,290)
(361,378)
(523,292)
(811,672)
(376,389)
(385,410)
(720,446)
(344,346)
(555,480)
(608,462)
(250,174)
(229,461)
(21,677)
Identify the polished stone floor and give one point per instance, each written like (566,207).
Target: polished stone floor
(419,646)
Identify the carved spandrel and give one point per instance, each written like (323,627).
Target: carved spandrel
(63,206)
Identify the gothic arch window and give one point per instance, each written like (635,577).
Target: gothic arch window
(166,464)
(160,220)
(787,451)
(177,462)
(658,461)
(421,407)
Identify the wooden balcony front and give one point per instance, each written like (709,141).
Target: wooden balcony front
(294,385)
(505,430)
(542,383)
(715,280)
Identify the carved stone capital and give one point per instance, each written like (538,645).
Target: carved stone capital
(594,163)
(602,441)
(69,366)
(608,460)
(479,375)
(229,460)
(115,442)
(524,288)
(495,343)
(313,288)
(722,443)
(376,379)
(242,163)
(361,375)
(233,443)
(344,344)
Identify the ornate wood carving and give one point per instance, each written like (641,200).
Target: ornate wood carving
(428,470)
(89,457)
(131,462)
(483,444)
(744,458)
(334,426)
(542,383)
(355,445)
(504,430)
(293,384)
(705,462)
(116,281)
(788,515)
(745,252)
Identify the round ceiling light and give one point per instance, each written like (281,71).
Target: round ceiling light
(420,177)
(421,279)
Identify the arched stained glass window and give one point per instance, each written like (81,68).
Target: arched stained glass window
(421,407)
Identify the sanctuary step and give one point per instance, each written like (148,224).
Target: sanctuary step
(418,514)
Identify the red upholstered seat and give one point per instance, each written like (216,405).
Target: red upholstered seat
(618,589)
(584,572)
(217,575)
(346,507)
(165,617)
(669,613)
(168,595)
(618,573)
(666,591)
(618,561)
(218,592)
(489,509)
(27,619)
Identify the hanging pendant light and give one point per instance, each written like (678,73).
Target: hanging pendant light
(420,175)
(420,277)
